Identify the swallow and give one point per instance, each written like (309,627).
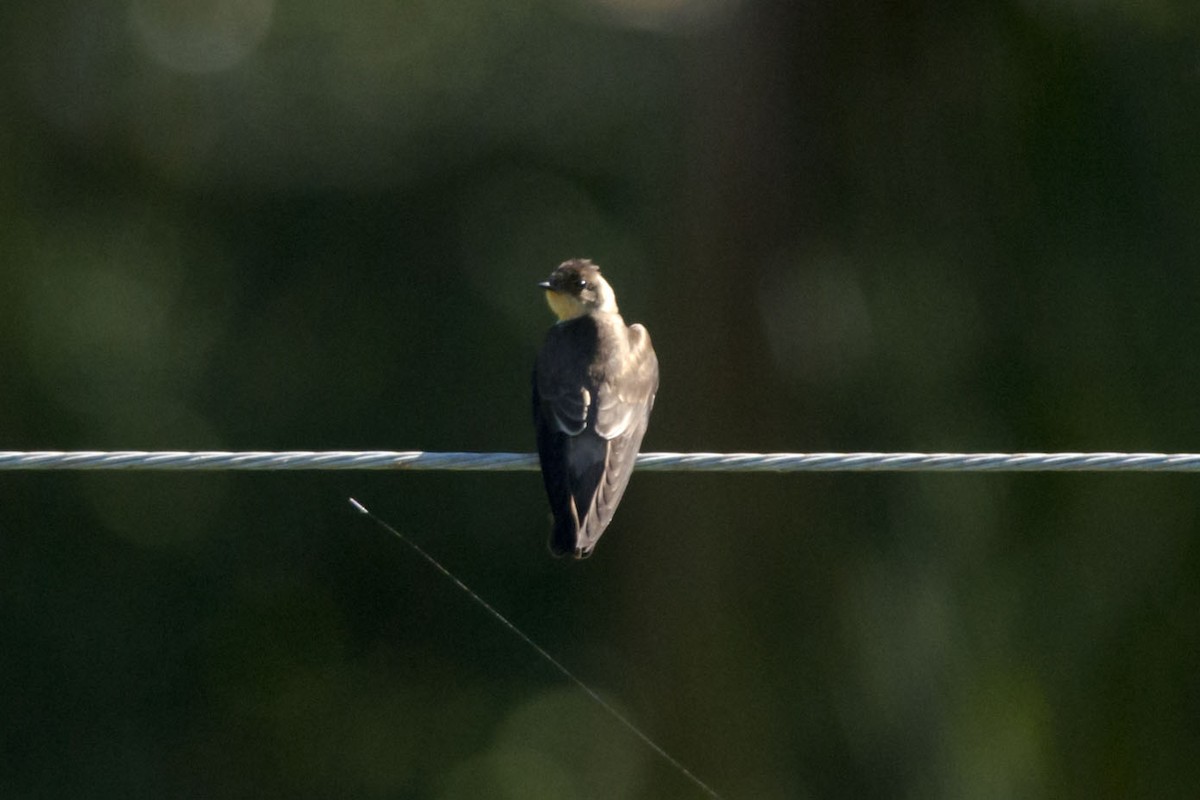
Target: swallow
(594,383)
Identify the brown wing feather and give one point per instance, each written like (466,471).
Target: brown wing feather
(571,456)
(592,400)
(623,407)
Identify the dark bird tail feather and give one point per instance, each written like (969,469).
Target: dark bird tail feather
(563,536)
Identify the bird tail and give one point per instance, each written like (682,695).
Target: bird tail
(563,536)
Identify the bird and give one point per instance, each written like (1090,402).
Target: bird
(594,382)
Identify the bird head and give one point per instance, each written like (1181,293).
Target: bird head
(576,287)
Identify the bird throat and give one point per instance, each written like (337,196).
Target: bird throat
(564,306)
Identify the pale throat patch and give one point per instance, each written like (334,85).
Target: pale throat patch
(564,306)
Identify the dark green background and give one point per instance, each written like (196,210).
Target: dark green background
(908,225)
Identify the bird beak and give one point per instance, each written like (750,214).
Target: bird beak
(544,285)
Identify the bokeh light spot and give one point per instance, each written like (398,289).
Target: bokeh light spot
(687,16)
(200,36)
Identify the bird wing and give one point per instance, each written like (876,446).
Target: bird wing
(571,458)
(592,400)
(563,389)
(624,401)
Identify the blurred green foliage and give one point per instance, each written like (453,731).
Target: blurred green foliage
(862,225)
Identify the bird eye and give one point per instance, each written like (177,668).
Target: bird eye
(582,284)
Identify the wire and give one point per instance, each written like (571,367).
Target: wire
(662,462)
(541,651)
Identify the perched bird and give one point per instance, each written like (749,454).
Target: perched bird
(593,387)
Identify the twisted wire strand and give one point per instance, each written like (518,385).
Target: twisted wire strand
(659,462)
